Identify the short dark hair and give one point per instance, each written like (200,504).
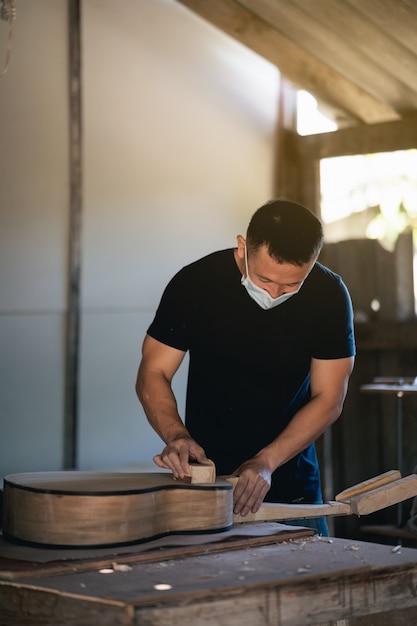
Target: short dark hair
(291,233)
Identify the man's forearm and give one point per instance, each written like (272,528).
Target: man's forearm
(158,401)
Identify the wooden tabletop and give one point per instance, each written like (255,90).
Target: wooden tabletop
(293,583)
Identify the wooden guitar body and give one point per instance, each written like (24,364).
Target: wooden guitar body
(75,509)
(86,509)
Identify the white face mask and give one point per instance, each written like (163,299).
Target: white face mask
(261,296)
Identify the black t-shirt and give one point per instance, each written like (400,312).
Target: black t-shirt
(249,367)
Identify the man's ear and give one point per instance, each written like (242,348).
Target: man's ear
(241,243)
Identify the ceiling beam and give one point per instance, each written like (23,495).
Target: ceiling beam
(385,137)
(302,69)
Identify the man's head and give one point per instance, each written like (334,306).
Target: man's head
(282,244)
(290,232)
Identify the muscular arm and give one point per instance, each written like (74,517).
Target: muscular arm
(153,387)
(329,383)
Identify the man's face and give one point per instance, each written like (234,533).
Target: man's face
(275,278)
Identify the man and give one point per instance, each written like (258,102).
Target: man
(269,332)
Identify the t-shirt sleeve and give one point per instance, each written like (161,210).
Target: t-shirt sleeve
(334,337)
(170,324)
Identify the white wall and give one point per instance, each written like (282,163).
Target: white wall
(179,125)
(33,236)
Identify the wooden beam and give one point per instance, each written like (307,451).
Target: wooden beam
(385,137)
(294,63)
(287,169)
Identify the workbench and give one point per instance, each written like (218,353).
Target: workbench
(260,574)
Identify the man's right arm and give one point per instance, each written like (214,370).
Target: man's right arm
(153,387)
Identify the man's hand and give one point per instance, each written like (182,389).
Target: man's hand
(177,454)
(253,485)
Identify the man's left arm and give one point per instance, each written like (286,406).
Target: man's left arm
(329,384)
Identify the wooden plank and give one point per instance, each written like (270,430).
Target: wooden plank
(366,485)
(385,69)
(385,12)
(294,63)
(280,512)
(382,497)
(367,65)
(384,137)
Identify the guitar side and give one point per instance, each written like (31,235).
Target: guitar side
(80,509)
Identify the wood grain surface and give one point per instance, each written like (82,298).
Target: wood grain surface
(97,508)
